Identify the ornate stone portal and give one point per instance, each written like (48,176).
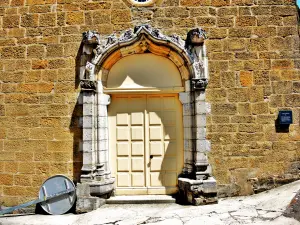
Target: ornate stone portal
(196,184)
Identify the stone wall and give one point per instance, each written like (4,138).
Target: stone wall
(253,48)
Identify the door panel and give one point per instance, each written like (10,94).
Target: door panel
(146,143)
(165,142)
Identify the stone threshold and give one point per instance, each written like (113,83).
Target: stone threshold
(141,199)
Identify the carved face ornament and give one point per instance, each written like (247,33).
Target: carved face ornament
(198,36)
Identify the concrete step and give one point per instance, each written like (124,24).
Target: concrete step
(140,199)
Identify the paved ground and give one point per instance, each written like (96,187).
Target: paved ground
(264,208)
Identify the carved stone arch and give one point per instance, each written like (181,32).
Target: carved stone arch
(196,183)
(146,40)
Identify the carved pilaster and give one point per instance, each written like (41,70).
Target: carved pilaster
(88,137)
(103,169)
(199,187)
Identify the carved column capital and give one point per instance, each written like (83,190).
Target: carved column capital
(88,85)
(199,84)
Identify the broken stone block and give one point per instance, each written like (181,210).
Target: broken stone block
(293,209)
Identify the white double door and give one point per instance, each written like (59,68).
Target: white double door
(146,143)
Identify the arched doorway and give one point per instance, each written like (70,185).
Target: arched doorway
(145,125)
(144,114)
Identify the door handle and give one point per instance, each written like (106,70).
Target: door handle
(151,156)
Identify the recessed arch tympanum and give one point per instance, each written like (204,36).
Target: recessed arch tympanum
(144,71)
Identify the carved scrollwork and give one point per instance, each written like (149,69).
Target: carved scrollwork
(177,39)
(156,33)
(111,40)
(127,35)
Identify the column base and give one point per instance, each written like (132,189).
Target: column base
(92,195)
(198,192)
(101,188)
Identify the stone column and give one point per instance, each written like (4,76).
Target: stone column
(187,100)
(202,168)
(88,126)
(103,169)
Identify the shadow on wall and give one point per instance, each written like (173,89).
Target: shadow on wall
(75,124)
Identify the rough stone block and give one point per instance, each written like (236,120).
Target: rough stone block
(11,21)
(238,95)
(101,16)
(225,21)
(260,108)
(47,20)
(218,3)
(224,109)
(195,3)
(216,95)
(13,52)
(87,204)
(293,209)
(246,78)
(120,16)
(256,94)
(54,50)
(240,32)
(282,64)
(218,33)
(207,21)
(75,18)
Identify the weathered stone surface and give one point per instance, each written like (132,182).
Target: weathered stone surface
(253,52)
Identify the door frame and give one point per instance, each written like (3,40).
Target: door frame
(190,58)
(148,189)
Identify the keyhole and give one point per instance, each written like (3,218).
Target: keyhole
(151,156)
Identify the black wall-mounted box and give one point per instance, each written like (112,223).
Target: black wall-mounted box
(285,117)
